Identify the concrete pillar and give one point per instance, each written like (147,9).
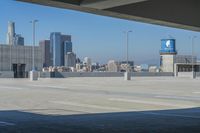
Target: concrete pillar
(127,76)
(193,74)
(33,75)
(175,70)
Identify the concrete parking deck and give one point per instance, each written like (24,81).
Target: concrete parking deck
(99,105)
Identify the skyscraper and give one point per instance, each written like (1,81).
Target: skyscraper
(18,40)
(11,33)
(70,59)
(46,57)
(67,46)
(57,48)
(87,61)
(113,66)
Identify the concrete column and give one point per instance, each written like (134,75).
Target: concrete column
(175,70)
(33,75)
(127,75)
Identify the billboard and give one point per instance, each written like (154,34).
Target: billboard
(168,46)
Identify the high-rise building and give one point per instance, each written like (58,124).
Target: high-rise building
(57,48)
(67,46)
(11,33)
(113,66)
(46,57)
(70,59)
(87,61)
(12,37)
(18,40)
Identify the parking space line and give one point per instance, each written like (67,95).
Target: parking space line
(197,92)
(87,105)
(10,87)
(148,102)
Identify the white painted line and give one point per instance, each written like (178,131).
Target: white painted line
(9,87)
(197,92)
(171,97)
(148,102)
(167,97)
(87,105)
(47,86)
(3,123)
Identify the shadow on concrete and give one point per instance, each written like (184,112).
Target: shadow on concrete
(162,121)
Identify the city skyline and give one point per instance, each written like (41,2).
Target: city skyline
(98,37)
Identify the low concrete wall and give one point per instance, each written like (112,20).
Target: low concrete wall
(6,74)
(46,74)
(198,74)
(152,74)
(99,74)
(185,74)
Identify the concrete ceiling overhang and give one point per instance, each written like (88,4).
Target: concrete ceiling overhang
(182,14)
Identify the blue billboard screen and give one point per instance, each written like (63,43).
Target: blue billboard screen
(168,46)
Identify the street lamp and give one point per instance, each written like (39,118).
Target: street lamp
(33,49)
(193,75)
(127,74)
(127,42)
(33,74)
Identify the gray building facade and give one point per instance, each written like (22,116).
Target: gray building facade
(19,59)
(70,59)
(46,56)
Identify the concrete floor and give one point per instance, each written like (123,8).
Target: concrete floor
(100,105)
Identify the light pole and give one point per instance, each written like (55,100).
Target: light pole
(33,47)
(127,42)
(33,73)
(193,73)
(127,74)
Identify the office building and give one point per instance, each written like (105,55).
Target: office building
(18,40)
(113,66)
(70,59)
(57,48)
(46,57)
(67,46)
(12,37)
(87,61)
(11,33)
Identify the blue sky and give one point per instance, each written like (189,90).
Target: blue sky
(98,37)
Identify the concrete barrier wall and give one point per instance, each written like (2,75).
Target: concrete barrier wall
(6,74)
(188,74)
(185,74)
(152,74)
(46,74)
(198,74)
(99,74)
(86,74)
